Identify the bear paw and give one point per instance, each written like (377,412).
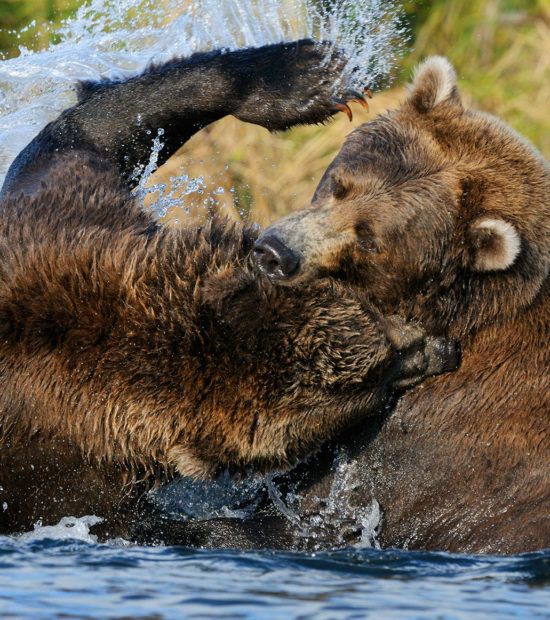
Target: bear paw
(296,83)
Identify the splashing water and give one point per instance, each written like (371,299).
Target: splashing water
(336,517)
(68,528)
(119,38)
(227,496)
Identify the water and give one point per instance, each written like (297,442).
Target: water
(72,578)
(62,571)
(333,516)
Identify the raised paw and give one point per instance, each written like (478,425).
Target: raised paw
(295,83)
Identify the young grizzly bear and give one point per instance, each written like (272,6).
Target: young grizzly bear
(131,351)
(443,214)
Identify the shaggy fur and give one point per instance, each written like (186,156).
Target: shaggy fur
(131,352)
(444,214)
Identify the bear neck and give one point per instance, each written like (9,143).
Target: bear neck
(472,305)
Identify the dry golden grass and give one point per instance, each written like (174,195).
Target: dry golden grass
(263,175)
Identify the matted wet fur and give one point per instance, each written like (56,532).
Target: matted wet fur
(131,352)
(443,214)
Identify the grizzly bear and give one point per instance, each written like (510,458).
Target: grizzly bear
(132,352)
(442,215)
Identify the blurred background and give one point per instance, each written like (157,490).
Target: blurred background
(500,49)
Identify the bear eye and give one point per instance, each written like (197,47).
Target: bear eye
(365,238)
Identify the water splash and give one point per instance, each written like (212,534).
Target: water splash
(335,520)
(67,528)
(226,496)
(341,512)
(161,197)
(285,507)
(119,38)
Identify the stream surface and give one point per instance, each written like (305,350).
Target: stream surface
(49,577)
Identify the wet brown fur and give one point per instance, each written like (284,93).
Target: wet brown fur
(463,462)
(132,352)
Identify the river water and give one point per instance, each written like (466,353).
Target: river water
(77,578)
(61,571)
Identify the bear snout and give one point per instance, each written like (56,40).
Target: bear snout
(275,259)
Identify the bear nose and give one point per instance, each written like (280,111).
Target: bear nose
(274,259)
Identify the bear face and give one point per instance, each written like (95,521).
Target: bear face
(440,213)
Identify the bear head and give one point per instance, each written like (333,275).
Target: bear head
(441,213)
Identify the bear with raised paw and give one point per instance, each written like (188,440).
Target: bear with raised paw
(130,352)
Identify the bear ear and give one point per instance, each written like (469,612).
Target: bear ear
(495,244)
(434,84)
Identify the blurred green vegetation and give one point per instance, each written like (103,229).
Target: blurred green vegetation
(28,22)
(501,52)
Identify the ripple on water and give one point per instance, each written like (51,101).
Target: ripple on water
(77,578)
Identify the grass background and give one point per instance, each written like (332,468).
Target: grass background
(500,49)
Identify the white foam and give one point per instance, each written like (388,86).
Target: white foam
(68,527)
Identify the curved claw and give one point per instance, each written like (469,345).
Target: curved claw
(342,106)
(368,92)
(353,95)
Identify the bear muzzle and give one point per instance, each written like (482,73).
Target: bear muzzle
(274,258)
